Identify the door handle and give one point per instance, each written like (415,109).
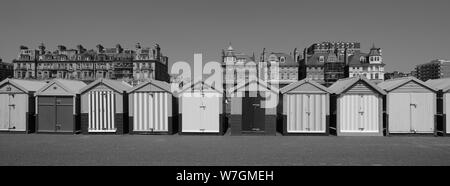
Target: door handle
(413,104)
(256,105)
(361,129)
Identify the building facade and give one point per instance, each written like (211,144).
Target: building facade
(435,69)
(272,67)
(88,65)
(279,68)
(6,70)
(237,67)
(327,62)
(367,64)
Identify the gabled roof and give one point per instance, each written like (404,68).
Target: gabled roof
(392,84)
(343,85)
(190,87)
(71,87)
(258,82)
(439,84)
(118,86)
(299,83)
(24,85)
(160,84)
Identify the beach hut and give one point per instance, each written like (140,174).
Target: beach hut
(104,107)
(58,106)
(17,105)
(152,108)
(251,112)
(201,110)
(442,104)
(410,106)
(357,106)
(305,108)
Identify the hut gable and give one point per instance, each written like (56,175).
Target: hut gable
(152,86)
(406,85)
(412,87)
(106,85)
(10,88)
(307,88)
(260,85)
(304,86)
(199,86)
(356,85)
(20,86)
(61,87)
(54,88)
(360,88)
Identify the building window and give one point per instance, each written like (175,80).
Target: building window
(376,76)
(362,59)
(321,59)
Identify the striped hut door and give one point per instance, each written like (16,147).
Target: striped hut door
(150,112)
(101,111)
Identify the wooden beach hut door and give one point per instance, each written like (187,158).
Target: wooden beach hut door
(55,114)
(101,111)
(360,113)
(411,112)
(13,109)
(252,113)
(201,112)
(306,113)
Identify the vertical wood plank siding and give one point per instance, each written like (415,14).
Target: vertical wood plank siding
(151,111)
(101,111)
(306,113)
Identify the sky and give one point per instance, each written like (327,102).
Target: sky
(410,32)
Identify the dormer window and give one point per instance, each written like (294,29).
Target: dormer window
(362,59)
(282,59)
(321,59)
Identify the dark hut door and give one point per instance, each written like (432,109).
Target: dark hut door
(252,113)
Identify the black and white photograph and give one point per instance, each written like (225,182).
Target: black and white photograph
(244,87)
